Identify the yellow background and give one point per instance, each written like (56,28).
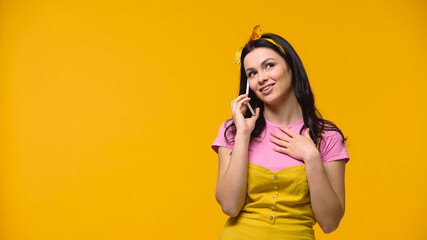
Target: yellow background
(109,108)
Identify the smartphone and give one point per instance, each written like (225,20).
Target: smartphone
(247,92)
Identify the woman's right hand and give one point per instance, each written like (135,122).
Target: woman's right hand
(238,109)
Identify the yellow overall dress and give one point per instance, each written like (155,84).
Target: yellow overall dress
(277,206)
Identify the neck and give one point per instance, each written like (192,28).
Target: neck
(285,113)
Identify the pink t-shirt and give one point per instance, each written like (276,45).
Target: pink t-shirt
(261,149)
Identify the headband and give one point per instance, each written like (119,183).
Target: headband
(256,34)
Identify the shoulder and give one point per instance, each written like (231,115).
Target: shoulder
(225,136)
(329,135)
(227,123)
(226,126)
(332,146)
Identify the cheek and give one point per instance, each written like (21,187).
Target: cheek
(254,89)
(278,73)
(252,86)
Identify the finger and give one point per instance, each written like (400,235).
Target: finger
(236,105)
(243,108)
(256,115)
(241,97)
(288,131)
(281,150)
(236,100)
(257,110)
(280,136)
(279,142)
(307,132)
(243,102)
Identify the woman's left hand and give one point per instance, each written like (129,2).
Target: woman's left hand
(295,145)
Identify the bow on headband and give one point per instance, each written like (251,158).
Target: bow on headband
(256,34)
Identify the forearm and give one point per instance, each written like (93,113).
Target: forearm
(326,205)
(232,185)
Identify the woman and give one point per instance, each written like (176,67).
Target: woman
(281,170)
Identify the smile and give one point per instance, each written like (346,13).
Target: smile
(267,89)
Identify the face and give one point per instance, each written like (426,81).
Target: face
(269,75)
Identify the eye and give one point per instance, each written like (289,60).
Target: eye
(251,74)
(269,65)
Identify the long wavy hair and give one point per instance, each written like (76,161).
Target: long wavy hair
(300,85)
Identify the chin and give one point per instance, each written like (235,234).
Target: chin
(271,101)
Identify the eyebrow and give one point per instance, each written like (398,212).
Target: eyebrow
(263,62)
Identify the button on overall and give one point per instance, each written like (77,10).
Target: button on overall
(277,206)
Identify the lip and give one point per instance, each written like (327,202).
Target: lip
(269,90)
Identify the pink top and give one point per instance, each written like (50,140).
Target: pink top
(261,149)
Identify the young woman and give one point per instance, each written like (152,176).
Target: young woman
(281,169)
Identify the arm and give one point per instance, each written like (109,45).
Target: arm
(232,179)
(325,180)
(327,191)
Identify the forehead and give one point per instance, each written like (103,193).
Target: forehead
(258,55)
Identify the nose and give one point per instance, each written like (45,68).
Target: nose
(262,77)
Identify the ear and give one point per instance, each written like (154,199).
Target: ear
(289,70)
